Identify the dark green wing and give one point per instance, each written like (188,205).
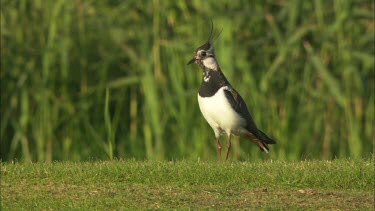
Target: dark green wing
(239,105)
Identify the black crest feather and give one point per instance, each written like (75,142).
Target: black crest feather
(214,34)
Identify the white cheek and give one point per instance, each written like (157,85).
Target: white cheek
(210,63)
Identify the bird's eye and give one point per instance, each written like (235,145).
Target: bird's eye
(203,53)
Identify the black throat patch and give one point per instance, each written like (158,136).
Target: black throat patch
(212,81)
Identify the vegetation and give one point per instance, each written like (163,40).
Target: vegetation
(316,185)
(85,80)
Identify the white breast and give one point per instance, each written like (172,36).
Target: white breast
(219,113)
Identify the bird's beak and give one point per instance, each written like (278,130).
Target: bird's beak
(191,61)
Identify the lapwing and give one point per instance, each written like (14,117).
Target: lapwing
(221,105)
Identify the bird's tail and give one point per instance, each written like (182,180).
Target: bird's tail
(261,140)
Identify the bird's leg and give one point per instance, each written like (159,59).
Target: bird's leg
(218,145)
(228,147)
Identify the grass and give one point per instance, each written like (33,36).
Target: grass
(108,79)
(342,184)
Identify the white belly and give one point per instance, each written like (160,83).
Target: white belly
(220,115)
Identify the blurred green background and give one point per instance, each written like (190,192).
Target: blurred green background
(87,80)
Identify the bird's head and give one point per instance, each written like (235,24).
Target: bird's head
(204,55)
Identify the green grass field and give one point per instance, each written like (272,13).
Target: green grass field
(87,80)
(338,184)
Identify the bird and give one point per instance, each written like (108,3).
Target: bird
(221,105)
